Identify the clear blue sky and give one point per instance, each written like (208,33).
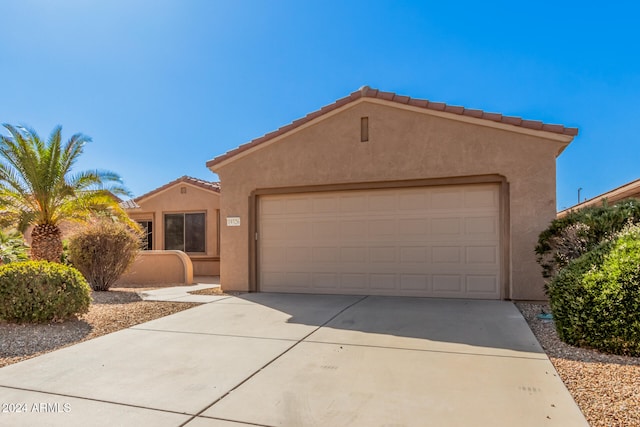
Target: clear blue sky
(162,86)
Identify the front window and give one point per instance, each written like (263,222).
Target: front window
(185,232)
(147,238)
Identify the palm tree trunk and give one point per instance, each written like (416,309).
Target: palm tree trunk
(46,243)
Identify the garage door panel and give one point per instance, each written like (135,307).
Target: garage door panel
(383,229)
(383,282)
(271,206)
(298,254)
(354,281)
(447,199)
(325,281)
(353,229)
(353,204)
(325,230)
(387,254)
(479,284)
(354,255)
(325,255)
(482,255)
(274,255)
(440,226)
(480,198)
(414,227)
(297,205)
(448,283)
(414,282)
(413,255)
(442,242)
(325,205)
(272,231)
(382,203)
(446,254)
(413,201)
(482,225)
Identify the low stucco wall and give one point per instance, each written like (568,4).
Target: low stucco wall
(159,268)
(206,266)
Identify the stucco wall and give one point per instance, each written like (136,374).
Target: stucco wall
(403,144)
(172,200)
(159,268)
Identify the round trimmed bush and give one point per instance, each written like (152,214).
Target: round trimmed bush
(42,291)
(595,299)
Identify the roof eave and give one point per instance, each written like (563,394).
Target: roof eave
(169,185)
(526,127)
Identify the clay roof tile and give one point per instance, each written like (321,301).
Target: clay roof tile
(367,92)
(532,124)
(473,113)
(208,185)
(454,109)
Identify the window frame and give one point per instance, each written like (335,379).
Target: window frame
(184,230)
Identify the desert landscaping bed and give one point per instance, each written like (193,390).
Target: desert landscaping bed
(109,312)
(606,387)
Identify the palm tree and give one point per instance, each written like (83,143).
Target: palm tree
(38,189)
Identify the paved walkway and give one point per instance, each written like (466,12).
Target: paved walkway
(300,360)
(180,294)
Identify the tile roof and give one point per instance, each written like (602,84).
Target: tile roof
(207,185)
(626,191)
(367,92)
(129,204)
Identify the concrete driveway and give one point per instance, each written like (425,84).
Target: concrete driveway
(300,360)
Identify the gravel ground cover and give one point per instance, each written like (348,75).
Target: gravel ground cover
(109,312)
(605,387)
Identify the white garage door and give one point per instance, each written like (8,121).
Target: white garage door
(418,241)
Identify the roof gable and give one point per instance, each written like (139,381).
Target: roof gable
(512,123)
(200,183)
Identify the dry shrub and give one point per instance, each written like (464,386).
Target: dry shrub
(103,251)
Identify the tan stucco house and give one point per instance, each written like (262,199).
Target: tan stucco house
(627,191)
(182,215)
(381,194)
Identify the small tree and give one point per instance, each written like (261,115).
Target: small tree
(37,187)
(103,250)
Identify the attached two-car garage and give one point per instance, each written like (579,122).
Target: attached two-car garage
(437,241)
(381,194)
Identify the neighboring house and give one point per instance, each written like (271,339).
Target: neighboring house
(626,191)
(182,215)
(381,194)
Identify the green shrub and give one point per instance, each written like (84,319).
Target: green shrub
(12,247)
(595,299)
(103,251)
(41,291)
(581,230)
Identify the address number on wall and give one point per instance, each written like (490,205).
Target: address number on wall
(233,221)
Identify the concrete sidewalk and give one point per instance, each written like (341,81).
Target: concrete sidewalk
(300,360)
(181,294)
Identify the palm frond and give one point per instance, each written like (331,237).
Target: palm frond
(36,185)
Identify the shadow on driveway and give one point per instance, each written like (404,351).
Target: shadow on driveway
(406,322)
